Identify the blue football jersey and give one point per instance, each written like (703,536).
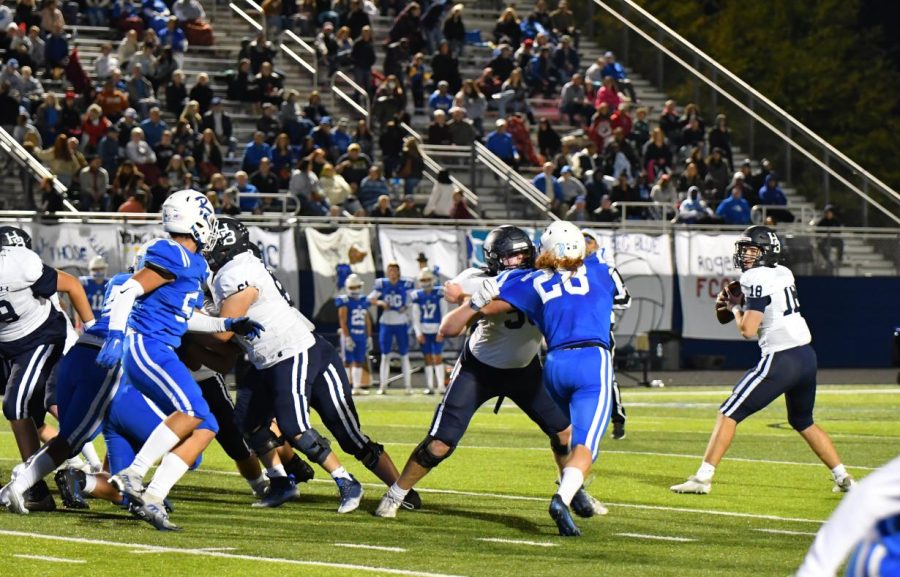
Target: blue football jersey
(568,308)
(396,295)
(163,313)
(429,305)
(101,324)
(343,271)
(96,293)
(357,311)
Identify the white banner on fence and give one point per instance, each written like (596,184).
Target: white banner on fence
(705,266)
(645,263)
(326,251)
(72,246)
(279,252)
(444,250)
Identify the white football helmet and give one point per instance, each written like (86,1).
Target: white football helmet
(563,239)
(98,263)
(426,278)
(354,284)
(189,212)
(137,263)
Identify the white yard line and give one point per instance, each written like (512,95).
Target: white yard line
(656,537)
(49,559)
(784,532)
(518,542)
(372,547)
(220,555)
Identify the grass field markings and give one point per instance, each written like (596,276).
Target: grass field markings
(517,542)
(49,559)
(656,537)
(372,547)
(221,555)
(786,532)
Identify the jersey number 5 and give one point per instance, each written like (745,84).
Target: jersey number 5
(550,288)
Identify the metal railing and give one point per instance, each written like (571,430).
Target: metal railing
(803,214)
(284,198)
(783,125)
(32,165)
(338,92)
(514,180)
(435,167)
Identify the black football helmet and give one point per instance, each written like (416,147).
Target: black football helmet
(14,236)
(762,238)
(504,242)
(232,239)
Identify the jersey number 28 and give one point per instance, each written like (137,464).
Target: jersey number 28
(549,287)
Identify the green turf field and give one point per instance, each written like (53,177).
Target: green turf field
(485,509)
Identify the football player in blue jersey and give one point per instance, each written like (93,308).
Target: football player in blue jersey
(430,307)
(391,294)
(33,333)
(157,305)
(95,283)
(569,298)
(356,328)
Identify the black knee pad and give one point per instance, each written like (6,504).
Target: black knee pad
(423,455)
(263,440)
(557,447)
(369,454)
(801,423)
(313,445)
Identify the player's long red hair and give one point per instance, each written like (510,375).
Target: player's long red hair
(549,261)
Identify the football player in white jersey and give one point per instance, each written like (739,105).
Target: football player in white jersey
(500,359)
(621,301)
(32,337)
(767,306)
(293,369)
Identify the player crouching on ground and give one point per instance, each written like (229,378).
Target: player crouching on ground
(766,304)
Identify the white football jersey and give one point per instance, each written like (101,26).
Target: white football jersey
(782,327)
(21,312)
(287,332)
(71,333)
(507,341)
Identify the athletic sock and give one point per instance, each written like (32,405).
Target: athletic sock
(407,375)
(161,441)
(340,473)
(572,480)
(384,371)
(167,474)
(257,485)
(38,467)
(90,483)
(397,493)
(440,376)
(839,472)
(705,472)
(276,471)
(356,376)
(429,378)
(91,456)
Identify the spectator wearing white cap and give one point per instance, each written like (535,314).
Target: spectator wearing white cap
(438,130)
(462,132)
(500,143)
(441,99)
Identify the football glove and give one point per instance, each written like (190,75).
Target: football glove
(244,326)
(484,295)
(349,344)
(111,353)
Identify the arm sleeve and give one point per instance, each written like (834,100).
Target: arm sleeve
(622,298)
(203,323)
(122,301)
(45,285)
(416,316)
(758,304)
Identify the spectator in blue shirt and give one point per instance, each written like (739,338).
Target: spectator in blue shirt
(153,127)
(56,48)
(770,194)
(735,209)
(617,71)
(547,185)
(500,142)
(254,152)
(340,138)
(371,188)
(441,99)
(173,36)
(243,191)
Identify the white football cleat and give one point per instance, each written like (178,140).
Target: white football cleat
(388,506)
(13,499)
(693,485)
(129,483)
(844,484)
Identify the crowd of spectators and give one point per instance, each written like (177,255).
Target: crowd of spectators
(108,140)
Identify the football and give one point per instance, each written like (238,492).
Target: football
(723,310)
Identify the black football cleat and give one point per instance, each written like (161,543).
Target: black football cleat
(39,499)
(299,469)
(618,431)
(70,483)
(280,491)
(560,514)
(412,500)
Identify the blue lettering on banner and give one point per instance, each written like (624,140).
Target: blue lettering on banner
(270,254)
